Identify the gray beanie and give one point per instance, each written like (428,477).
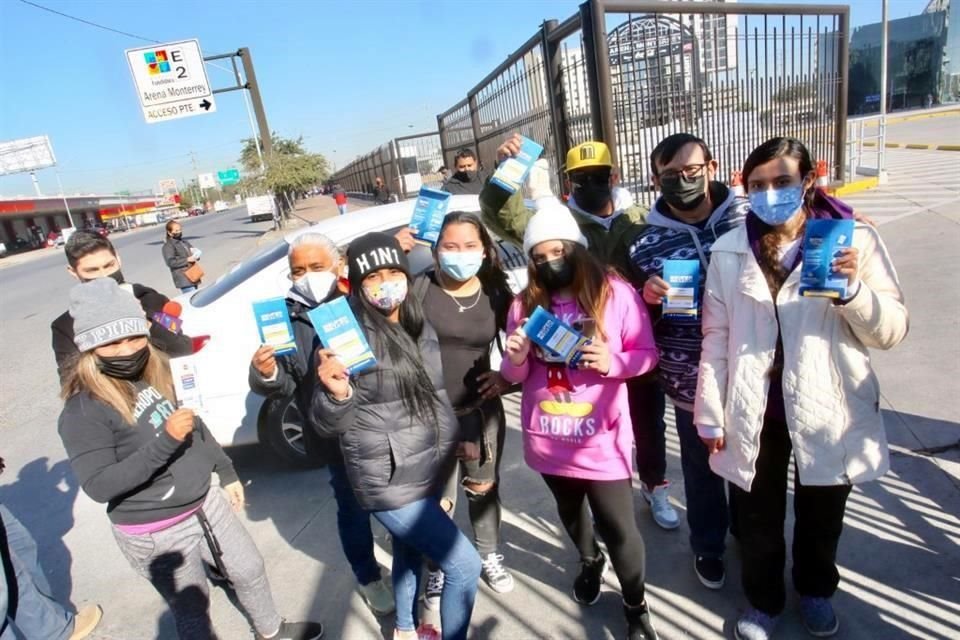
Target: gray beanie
(104,313)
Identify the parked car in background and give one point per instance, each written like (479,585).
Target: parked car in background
(223,312)
(220,205)
(196,211)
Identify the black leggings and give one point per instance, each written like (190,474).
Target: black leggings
(612,505)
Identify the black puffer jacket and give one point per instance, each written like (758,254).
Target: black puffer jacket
(391,461)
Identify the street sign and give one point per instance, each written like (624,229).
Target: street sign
(206,181)
(171,81)
(228,177)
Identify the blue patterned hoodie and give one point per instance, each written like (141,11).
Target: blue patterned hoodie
(667,238)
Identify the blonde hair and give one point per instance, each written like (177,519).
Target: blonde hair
(85,375)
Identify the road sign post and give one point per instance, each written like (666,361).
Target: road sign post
(171,81)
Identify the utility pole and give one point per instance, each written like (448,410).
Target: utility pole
(882,142)
(203,192)
(249,83)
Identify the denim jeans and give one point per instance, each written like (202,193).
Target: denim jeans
(647,404)
(707,514)
(342,208)
(189,289)
(420,529)
(26,608)
(353,525)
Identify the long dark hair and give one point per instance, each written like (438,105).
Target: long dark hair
(493,279)
(780,147)
(591,285)
(399,341)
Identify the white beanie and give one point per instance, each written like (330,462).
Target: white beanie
(552,221)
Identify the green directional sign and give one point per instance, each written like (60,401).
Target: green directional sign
(228,177)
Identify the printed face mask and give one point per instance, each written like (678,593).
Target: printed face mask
(460,265)
(684,193)
(387,295)
(124,367)
(315,286)
(776,206)
(555,274)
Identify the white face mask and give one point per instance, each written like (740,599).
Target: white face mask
(315,285)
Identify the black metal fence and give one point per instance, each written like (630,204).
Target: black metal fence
(631,72)
(405,164)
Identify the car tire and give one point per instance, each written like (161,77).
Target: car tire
(281,427)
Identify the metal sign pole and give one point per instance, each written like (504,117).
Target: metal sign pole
(65,203)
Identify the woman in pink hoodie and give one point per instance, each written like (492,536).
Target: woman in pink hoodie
(576,421)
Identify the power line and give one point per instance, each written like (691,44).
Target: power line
(88,22)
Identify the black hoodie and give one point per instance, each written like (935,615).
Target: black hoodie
(466,183)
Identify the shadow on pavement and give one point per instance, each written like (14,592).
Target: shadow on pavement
(42,499)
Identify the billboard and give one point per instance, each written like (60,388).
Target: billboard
(168,185)
(25,155)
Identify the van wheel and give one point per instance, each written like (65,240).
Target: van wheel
(281,427)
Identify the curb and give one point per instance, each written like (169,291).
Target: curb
(855,187)
(914,145)
(916,116)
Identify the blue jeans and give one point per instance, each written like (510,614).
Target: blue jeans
(707,514)
(420,529)
(26,608)
(189,289)
(353,525)
(342,208)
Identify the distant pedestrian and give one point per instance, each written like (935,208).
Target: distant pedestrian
(151,463)
(787,379)
(182,259)
(26,608)
(340,197)
(381,194)
(468,177)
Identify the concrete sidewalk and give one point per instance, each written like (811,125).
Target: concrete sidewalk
(310,211)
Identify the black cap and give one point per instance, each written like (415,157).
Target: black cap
(371,252)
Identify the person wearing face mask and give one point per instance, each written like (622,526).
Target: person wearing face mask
(785,378)
(151,464)
(693,211)
(315,265)
(466,299)
(90,256)
(179,255)
(397,431)
(576,421)
(467,178)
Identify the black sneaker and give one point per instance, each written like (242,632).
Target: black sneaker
(586,588)
(296,631)
(710,571)
(639,625)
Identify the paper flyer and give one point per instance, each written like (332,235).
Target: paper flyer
(548,332)
(428,214)
(184,371)
(339,331)
(512,172)
(683,276)
(822,242)
(273,322)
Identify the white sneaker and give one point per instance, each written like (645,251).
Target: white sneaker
(495,574)
(431,595)
(660,508)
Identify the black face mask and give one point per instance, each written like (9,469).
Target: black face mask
(124,367)
(176,236)
(555,274)
(592,197)
(465,176)
(684,193)
(116,275)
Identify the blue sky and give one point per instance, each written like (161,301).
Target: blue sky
(347,75)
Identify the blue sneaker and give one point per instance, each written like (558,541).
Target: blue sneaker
(755,625)
(818,616)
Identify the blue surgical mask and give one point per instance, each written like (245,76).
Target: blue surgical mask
(387,295)
(460,265)
(776,206)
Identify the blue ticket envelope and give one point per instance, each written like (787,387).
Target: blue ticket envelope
(428,214)
(822,242)
(512,172)
(550,333)
(683,276)
(273,323)
(339,331)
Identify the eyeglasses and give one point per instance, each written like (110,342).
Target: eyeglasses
(672,176)
(590,178)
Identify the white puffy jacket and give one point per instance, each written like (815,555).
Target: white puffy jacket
(831,395)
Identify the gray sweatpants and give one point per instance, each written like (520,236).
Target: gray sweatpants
(173,561)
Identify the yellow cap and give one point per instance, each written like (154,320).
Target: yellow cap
(587,155)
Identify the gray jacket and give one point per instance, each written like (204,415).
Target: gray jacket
(391,459)
(175,254)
